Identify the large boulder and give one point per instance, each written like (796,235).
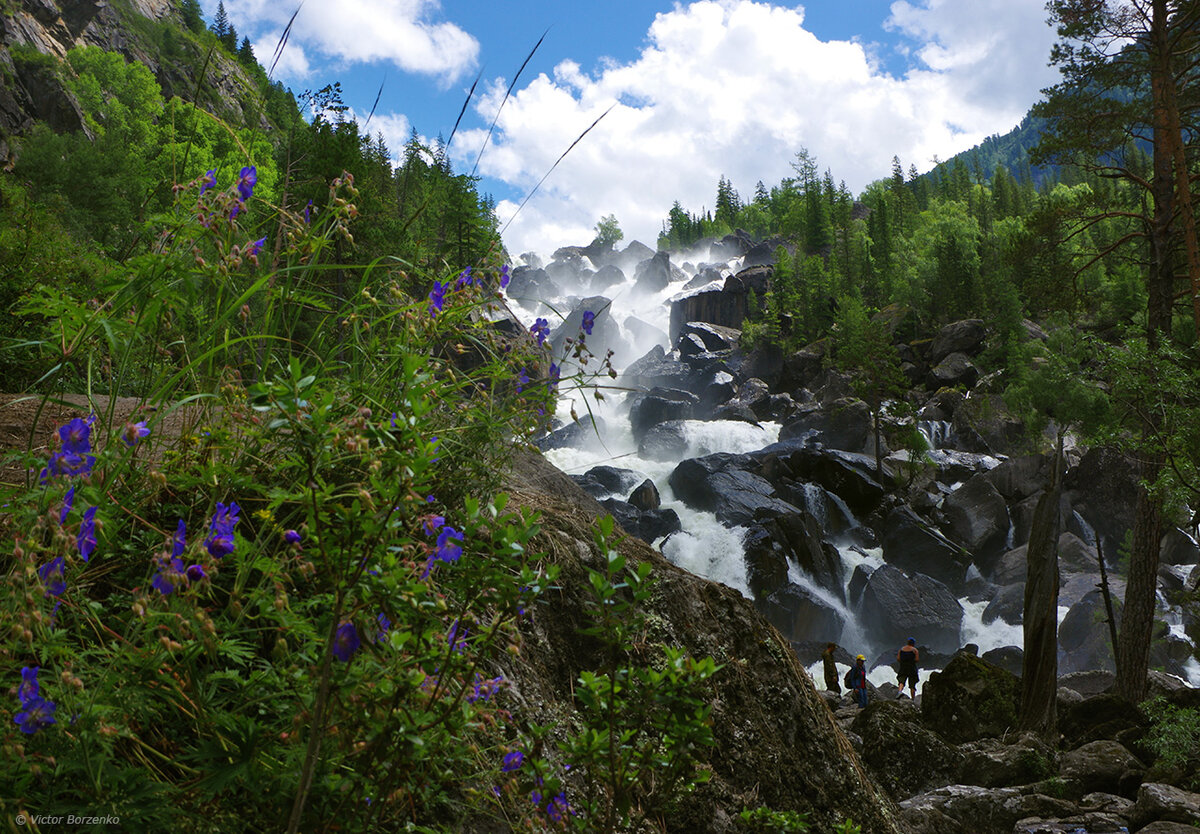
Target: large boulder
(1102,488)
(970,699)
(798,537)
(1083,639)
(955,370)
(1020,477)
(727,306)
(1164,803)
(658,406)
(896,606)
(977,518)
(654,274)
(999,763)
(966,336)
(722,484)
(1103,765)
(904,755)
(913,546)
(849,476)
(968,809)
(1099,717)
(801,614)
(844,424)
(656,369)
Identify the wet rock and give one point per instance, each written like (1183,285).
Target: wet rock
(1007,604)
(848,476)
(970,699)
(845,424)
(609,275)
(977,518)
(649,526)
(914,546)
(1009,658)
(896,606)
(573,435)
(713,337)
(656,369)
(666,441)
(977,810)
(1102,489)
(529,285)
(646,496)
(1021,477)
(658,406)
(1082,646)
(603,481)
(801,614)
(1178,548)
(800,538)
(717,484)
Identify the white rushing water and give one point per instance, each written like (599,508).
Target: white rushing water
(705,546)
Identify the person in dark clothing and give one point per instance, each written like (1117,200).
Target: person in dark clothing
(906,668)
(831,675)
(858,677)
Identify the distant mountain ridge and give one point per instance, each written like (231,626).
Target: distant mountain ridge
(1010,151)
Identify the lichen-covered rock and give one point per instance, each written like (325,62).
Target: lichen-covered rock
(970,699)
(903,754)
(1099,766)
(992,763)
(1167,803)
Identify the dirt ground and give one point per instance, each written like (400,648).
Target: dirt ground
(28,423)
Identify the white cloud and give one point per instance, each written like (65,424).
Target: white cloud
(405,33)
(736,88)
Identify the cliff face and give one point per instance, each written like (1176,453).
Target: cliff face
(32,89)
(777,743)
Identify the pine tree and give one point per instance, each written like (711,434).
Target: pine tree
(220,24)
(192,15)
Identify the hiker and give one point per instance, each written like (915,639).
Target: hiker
(907,659)
(856,678)
(831,675)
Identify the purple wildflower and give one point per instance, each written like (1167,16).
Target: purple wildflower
(456,639)
(505,277)
(552,383)
(220,540)
(39,713)
(522,380)
(236,210)
(308,213)
(195,573)
(556,806)
(166,576)
(513,761)
(86,542)
(68,502)
(247,179)
(541,329)
(464,279)
(209,181)
(179,540)
(589,321)
(437,297)
(345,641)
(255,247)
(384,625)
(449,545)
(134,432)
(432,524)
(291,537)
(74,457)
(29,684)
(51,575)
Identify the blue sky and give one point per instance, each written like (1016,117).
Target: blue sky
(697,90)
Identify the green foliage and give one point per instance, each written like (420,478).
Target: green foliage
(608,231)
(769,821)
(1174,737)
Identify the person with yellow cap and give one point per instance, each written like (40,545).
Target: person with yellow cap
(857,679)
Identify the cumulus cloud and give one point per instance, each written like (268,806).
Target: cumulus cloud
(405,33)
(736,88)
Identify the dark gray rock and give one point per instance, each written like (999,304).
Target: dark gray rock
(603,481)
(996,763)
(1007,604)
(1083,640)
(719,484)
(1100,765)
(1157,802)
(956,369)
(572,435)
(1102,488)
(914,546)
(1020,477)
(966,336)
(665,442)
(646,497)
(800,614)
(904,755)
(844,424)
(1098,717)
(896,606)
(977,518)
(530,285)
(658,406)
(1008,658)
(656,370)
(606,277)
(970,699)
(849,476)
(654,274)
(1178,548)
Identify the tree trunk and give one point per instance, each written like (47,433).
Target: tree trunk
(1039,669)
(1137,617)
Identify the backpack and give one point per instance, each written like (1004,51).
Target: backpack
(848,681)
